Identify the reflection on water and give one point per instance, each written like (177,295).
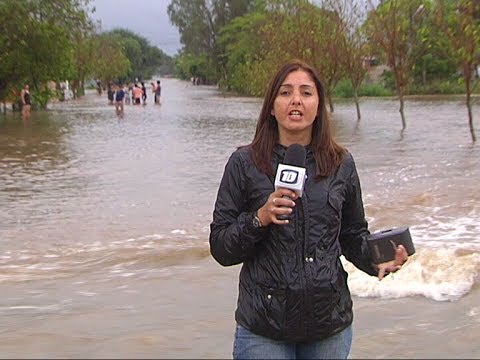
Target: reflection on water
(100,209)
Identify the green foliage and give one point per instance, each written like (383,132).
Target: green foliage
(242,53)
(251,78)
(55,40)
(199,23)
(41,97)
(399,29)
(374,90)
(188,66)
(460,26)
(439,86)
(37,41)
(110,63)
(279,30)
(145,60)
(435,67)
(344,89)
(389,80)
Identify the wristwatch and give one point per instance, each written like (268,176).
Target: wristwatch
(257,224)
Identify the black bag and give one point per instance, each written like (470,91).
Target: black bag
(382,244)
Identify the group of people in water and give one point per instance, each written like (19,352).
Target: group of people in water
(118,95)
(134,93)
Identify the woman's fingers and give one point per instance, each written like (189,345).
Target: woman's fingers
(280,202)
(401,257)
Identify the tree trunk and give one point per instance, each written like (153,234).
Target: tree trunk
(330,104)
(357,104)
(469,105)
(402,114)
(470,118)
(81,88)
(424,73)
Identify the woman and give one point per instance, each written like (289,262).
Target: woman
(119,98)
(293,298)
(158,92)
(26,101)
(137,94)
(144,93)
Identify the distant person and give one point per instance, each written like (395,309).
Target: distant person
(144,93)
(153,86)
(99,87)
(126,90)
(110,94)
(158,92)
(137,94)
(293,296)
(119,98)
(26,101)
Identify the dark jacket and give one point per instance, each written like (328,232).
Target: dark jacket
(292,283)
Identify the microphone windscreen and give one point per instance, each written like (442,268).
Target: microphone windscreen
(295,155)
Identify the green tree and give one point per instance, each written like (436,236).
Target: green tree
(394,25)
(110,63)
(145,60)
(12,33)
(37,43)
(243,55)
(73,17)
(352,43)
(199,23)
(279,30)
(460,22)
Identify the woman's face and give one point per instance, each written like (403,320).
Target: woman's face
(295,108)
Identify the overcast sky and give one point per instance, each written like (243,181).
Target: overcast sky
(147,18)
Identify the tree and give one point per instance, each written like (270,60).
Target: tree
(277,31)
(73,17)
(84,60)
(352,42)
(330,35)
(244,50)
(110,62)
(12,33)
(37,43)
(460,23)
(145,59)
(393,25)
(199,23)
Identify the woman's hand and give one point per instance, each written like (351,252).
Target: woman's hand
(276,205)
(401,257)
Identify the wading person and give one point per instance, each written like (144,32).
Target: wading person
(119,98)
(144,93)
(158,92)
(293,299)
(26,101)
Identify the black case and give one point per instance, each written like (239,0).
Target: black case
(382,244)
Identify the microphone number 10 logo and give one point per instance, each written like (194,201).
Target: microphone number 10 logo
(289,176)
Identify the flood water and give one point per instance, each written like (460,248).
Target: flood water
(104,227)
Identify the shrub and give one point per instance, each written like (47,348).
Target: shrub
(344,89)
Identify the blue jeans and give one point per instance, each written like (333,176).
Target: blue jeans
(248,345)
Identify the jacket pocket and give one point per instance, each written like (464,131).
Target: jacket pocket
(324,299)
(342,311)
(271,304)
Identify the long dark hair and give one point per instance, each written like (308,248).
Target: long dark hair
(327,152)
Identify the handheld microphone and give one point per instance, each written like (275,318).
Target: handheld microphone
(291,174)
